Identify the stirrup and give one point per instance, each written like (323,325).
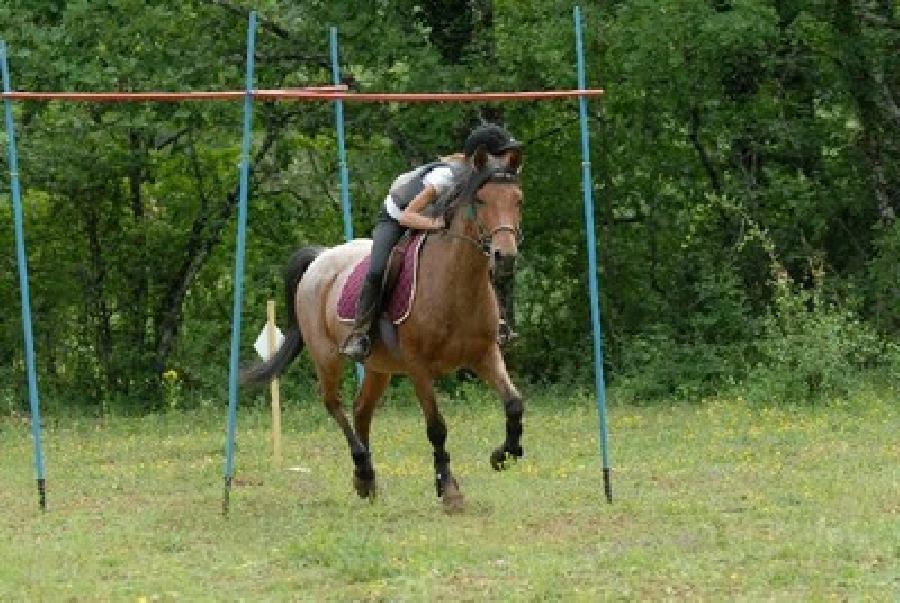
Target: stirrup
(505,335)
(357,347)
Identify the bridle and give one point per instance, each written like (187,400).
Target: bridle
(486,236)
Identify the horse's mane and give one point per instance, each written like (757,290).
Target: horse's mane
(464,188)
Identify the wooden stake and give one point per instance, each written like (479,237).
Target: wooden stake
(275,388)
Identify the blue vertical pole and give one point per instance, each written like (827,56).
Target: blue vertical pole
(593,284)
(239,264)
(342,152)
(23,287)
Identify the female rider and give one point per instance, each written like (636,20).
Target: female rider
(402,210)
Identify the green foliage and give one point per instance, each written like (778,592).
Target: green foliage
(657,368)
(811,350)
(700,353)
(720,118)
(883,280)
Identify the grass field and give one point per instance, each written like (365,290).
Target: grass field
(713,501)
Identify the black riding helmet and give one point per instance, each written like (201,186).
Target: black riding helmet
(494,138)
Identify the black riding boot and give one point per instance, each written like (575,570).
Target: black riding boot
(504,281)
(358,344)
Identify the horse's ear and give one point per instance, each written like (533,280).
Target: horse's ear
(481,157)
(514,162)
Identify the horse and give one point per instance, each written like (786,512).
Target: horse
(452,323)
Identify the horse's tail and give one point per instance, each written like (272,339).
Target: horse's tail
(293,341)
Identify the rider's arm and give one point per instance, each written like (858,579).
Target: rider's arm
(412,216)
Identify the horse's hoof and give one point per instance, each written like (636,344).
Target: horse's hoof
(454,503)
(365,488)
(452,498)
(501,455)
(498,459)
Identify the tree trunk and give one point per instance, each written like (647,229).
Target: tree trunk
(874,100)
(206,233)
(137,269)
(95,295)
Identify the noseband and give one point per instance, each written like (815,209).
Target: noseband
(486,237)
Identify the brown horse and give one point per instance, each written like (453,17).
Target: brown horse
(453,322)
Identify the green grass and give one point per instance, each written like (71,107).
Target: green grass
(713,501)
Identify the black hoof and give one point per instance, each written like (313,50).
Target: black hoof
(500,456)
(365,488)
(442,483)
(448,491)
(453,501)
(363,476)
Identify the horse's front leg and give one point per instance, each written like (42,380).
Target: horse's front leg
(445,484)
(492,370)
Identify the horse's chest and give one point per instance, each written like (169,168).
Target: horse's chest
(462,317)
(445,343)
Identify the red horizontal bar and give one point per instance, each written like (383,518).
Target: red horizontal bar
(423,97)
(330,93)
(162,97)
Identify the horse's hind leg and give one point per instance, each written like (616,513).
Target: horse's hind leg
(370,391)
(330,379)
(492,370)
(436,428)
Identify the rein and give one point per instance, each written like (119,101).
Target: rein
(479,246)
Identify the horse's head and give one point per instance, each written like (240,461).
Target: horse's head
(494,199)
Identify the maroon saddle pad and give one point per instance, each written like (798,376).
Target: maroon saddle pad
(399,301)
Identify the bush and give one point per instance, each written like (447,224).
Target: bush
(811,350)
(883,282)
(656,367)
(700,354)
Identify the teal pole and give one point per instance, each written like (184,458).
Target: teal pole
(23,287)
(239,265)
(342,150)
(593,283)
(342,153)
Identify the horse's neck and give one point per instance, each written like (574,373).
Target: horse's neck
(469,254)
(459,259)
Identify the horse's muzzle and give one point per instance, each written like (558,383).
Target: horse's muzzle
(502,264)
(503,242)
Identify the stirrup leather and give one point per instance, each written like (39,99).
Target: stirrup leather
(505,334)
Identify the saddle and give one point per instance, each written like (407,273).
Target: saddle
(398,288)
(395,265)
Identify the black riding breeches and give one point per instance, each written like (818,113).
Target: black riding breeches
(385,235)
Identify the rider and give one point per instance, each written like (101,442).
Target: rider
(402,210)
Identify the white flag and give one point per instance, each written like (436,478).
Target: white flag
(262,342)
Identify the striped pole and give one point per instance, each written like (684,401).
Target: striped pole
(239,265)
(23,287)
(593,284)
